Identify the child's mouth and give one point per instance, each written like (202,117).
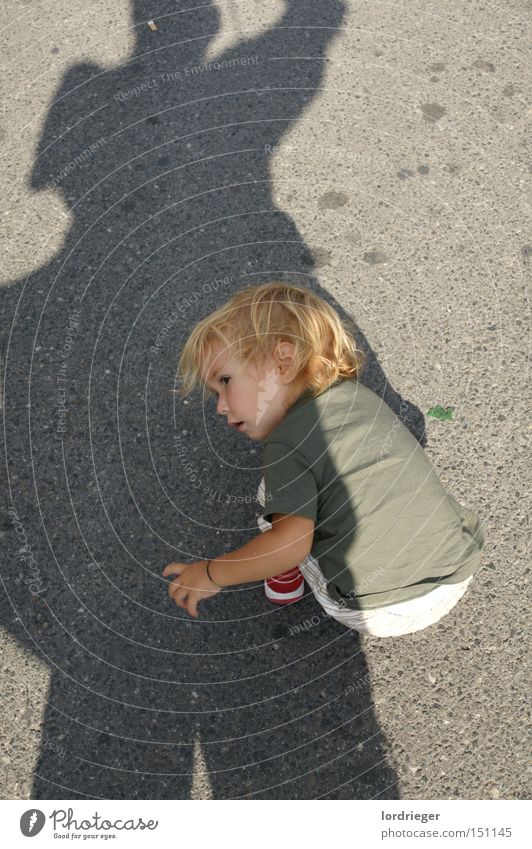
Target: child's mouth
(239,426)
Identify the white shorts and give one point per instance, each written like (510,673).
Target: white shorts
(405,617)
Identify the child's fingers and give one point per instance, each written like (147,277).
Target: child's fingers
(173,569)
(181,601)
(174,589)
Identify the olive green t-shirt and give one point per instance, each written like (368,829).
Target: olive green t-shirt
(386,530)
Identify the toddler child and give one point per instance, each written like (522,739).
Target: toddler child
(354,505)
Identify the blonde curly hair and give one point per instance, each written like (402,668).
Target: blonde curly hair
(256,318)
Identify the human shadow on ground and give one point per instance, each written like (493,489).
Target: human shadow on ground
(172,212)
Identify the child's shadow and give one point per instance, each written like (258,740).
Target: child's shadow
(164,166)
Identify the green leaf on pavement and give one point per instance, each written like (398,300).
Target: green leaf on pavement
(442,413)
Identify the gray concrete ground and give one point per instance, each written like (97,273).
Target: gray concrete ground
(374,152)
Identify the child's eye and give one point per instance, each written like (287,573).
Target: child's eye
(213,391)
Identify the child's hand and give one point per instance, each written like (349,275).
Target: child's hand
(191,585)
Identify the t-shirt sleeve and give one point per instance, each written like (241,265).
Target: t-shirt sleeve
(289,482)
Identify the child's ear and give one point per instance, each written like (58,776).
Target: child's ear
(284,357)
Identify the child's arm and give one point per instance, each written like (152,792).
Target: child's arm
(272,552)
(283,547)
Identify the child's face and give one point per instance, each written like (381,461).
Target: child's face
(254,398)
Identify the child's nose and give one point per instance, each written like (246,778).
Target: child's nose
(221,406)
